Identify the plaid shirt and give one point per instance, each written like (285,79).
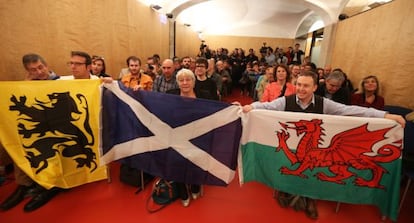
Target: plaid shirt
(162,85)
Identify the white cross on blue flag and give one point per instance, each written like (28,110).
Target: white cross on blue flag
(183,139)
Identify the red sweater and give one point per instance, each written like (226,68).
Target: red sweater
(359,99)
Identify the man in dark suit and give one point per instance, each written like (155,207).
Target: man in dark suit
(332,88)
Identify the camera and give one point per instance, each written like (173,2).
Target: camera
(202,46)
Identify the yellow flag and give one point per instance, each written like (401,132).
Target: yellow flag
(51,130)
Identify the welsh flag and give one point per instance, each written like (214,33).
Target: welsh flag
(347,159)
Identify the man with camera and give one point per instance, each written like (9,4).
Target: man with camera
(204,51)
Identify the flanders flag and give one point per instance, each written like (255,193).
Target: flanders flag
(51,130)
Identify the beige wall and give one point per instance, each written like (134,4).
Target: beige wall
(112,29)
(231,42)
(380,42)
(188,42)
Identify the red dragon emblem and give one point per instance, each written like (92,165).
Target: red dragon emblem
(347,149)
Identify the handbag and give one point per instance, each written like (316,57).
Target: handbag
(164,192)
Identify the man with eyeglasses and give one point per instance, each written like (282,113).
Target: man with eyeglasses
(204,86)
(80,66)
(166,81)
(37,69)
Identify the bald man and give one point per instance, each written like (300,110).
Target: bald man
(166,81)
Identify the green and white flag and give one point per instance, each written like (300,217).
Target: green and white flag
(347,159)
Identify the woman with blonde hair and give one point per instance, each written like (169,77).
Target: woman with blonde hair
(186,81)
(368,95)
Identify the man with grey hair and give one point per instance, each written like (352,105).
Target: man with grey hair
(332,88)
(37,69)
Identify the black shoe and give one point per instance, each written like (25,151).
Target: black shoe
(16,197)
(299,204)
(311,210)
(283,199)
(41,199)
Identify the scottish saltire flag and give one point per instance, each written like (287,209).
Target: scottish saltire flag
(183,139)
(347,159)
(50,129)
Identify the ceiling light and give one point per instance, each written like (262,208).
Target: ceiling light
(377,3)
(155,7)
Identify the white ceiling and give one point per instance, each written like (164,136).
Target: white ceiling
(261,18)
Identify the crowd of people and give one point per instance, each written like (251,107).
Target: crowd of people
(289,81)
(277,80)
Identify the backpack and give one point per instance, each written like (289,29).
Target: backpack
(164,192)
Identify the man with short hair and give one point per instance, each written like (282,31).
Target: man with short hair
(166,81)
(327,70)
(297,55)
(306,101)
(136,79)
(295,73)
(80,65)
(192,64)
(37,69)
(251,57)
(332,88)
(186,62)
(153,66)
(177,65)
(225,78)
(204,86)
(270,57)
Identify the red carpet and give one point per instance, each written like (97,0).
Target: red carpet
(115,202)
(252,202)
(236,96)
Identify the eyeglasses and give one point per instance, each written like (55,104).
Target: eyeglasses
(94,57)
(76,64)
(202,66)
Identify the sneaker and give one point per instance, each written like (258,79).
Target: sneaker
(185,202)
(195,195)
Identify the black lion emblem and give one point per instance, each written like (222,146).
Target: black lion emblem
(50,123)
